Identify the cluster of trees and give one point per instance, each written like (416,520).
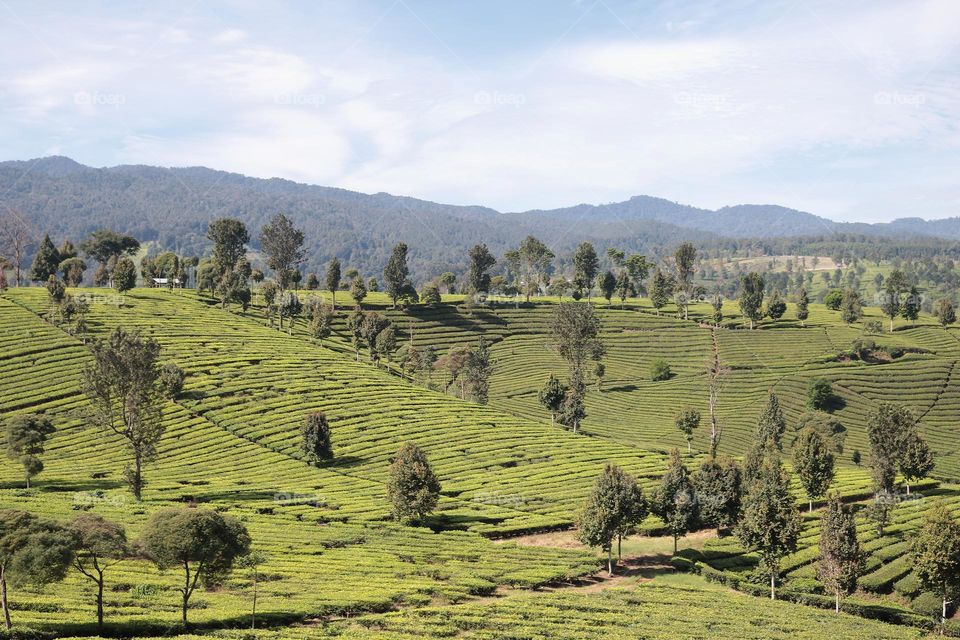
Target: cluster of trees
(204,544)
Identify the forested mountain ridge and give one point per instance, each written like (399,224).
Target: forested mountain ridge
(173,206)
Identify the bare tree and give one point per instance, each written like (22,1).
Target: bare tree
(16,238)
(716,376)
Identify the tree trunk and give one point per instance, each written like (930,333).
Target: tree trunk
(186,594)
(609,562)
(100,602)
(253,618)
(27,477)
(810,510)
(689,450)
(837,595)
(773,585)
(908,488)
(674,544)
(943,615)
(619,548)
(6,605)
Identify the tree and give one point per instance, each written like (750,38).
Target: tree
(431,295)
(718,485)
(935,552)
(886,429)
(911,306)
(772,424)
(660,290)
(946,313)
(283,245)
(614,506)
(16,238)
(449,280)
(814,463)
(100,544)
(315,438)
(574,409)
(172,379)
(820,395)
(45,262)
(770,523)
(833,300)
(890,303)
(575,329)
(373,325)
(607,283)
(751,297)
(32,551)
(251,562)
(686,422)
(551,397)
(534,263)
(585,267)
(355,326)
(803,302)
(623,286)
(321,317)
(638,268)
(684,260)
(396,273)
(313,282)
(412,488)
(372,284)
(72,270)
(674,501)
(776,307)
(480,262)
(229,265)
(123,386)
(916,460)
(599,370)
(289,306)
(124,275)
(477,371)
(333,280)
(26,436)
(358,292)
(204,543)
(851,307)
(716,375)
(104,245)
(841,558)
(716,302)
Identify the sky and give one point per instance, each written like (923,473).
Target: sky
(847,109)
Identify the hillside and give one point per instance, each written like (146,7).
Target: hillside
(171,207)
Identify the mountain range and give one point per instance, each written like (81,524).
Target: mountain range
(171,207)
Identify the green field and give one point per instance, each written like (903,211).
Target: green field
(232,444)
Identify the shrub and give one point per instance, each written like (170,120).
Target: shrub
(660,370)
(171,380)
(833,299)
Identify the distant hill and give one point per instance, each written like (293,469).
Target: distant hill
(172,207)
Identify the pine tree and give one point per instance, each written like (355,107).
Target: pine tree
(46,262)
(770,523)
(660,290)
(396,273)
(315,438)
(946,313)
(772,424)
(674,501)
(841,558)
(814,463)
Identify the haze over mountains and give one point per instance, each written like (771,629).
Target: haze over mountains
(172,207)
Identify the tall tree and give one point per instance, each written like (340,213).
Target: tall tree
(776,306)
(638,268)
(283,244)
(585,267)
(412,488)
(396,273)
(358,291)
(100,544)
(607,283)
(45,262)
(105,246)
(551,397)
(772,423)
(946,313)
(916,460)
(660,290)
(684,262)
(229,264)
(478,278)
(204,543)
(333,280)
(841,558)
(674,501)
(935,552)
(803,310)
(751,297)
(851,306)
(32,552)
(477,371)
(16,239)
(124,275)
(26,436)
(719,489)
(575,329)
(123,386)
(770,523)
(911,305)
(891,304)
(686,422)
(615,505)
(315,438)
(535,260)
(716,376)
(813,463)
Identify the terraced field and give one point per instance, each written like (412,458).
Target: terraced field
(783,356)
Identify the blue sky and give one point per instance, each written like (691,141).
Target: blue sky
(850,110)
